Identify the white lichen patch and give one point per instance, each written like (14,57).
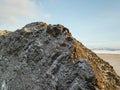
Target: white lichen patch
(4,86)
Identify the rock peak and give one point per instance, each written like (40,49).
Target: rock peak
(51,29)
(35,26)
(46,57)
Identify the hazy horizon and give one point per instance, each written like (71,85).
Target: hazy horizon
(94,23)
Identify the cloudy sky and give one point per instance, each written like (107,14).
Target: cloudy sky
(95,23)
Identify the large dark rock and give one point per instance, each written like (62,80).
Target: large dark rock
(47,57)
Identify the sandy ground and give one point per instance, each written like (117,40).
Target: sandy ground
(113,59)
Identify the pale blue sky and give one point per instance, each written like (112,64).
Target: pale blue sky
(95,23)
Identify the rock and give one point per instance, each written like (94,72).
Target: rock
(4,32)
(47,57)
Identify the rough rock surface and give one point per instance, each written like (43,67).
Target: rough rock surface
(47,57)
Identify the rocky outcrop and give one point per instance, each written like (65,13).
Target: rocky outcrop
(4,32)
(47,57)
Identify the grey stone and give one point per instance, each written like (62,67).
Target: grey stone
(37,57)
